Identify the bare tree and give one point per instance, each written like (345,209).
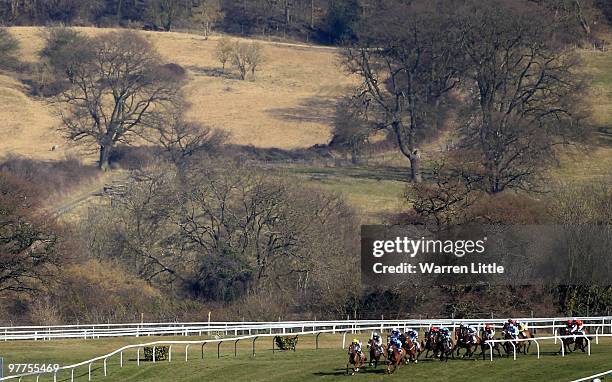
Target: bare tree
(29,249)
(182,139)
(117,85)
(247,57)
(166,12)
(405,61)
(223,50)
(524,92)
(205,14)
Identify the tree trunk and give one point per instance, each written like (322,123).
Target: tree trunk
(409,152)
(103,162)
(415,167)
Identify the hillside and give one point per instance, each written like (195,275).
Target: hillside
(290,105)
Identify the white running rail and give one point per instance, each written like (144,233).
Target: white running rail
(597,325)
(104,358)
(592,377)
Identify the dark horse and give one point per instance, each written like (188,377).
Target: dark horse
(376,352)
(444,346)
(488,335)
(394,358)
(355,360)
(464,341)
(579,340)
(429,344)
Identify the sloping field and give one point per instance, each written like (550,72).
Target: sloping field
(289,105)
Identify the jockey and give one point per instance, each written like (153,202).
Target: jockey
(414,337)
(412,334)
(490,330)
(445,332)
(376,340)
(356,345)
(575,327)
(471,331)
(395,339)
(512,329)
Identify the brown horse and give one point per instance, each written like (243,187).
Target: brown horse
(376,352)
(356,360)
(394,358)
(464,341)
(521,346)
(411,350)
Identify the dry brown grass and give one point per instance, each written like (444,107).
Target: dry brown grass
(290,105)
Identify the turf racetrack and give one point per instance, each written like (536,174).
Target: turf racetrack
(306,364)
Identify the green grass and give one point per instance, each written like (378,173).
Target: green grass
(306,364)
(373,191)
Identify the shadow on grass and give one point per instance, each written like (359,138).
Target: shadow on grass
(339,372)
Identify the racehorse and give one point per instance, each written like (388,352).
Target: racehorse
(376,352)
(521,346)
(444,346)
(394,358)
(578,339)
(411,350)
(355,360)
(429,344)
(483,344)
(464,341)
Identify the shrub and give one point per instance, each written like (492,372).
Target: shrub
(286,343)
(161,353)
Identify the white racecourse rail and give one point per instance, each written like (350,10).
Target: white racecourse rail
(597,325)
(600,324)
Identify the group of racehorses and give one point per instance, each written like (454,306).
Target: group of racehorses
(444,347)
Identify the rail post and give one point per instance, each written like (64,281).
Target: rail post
(89,373)
(186,352)
(105,367)
(72,375)
(170,353)
(254,339)
(203,349)
(588,344)
(138,357)
(344,340)
(597,335)
(55,377)
(120,359)
(562,346)
(273,344)
(154,353)
(538,347)
(317,341)
(236,348)
(490,349)
(555,333)
(219,350)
